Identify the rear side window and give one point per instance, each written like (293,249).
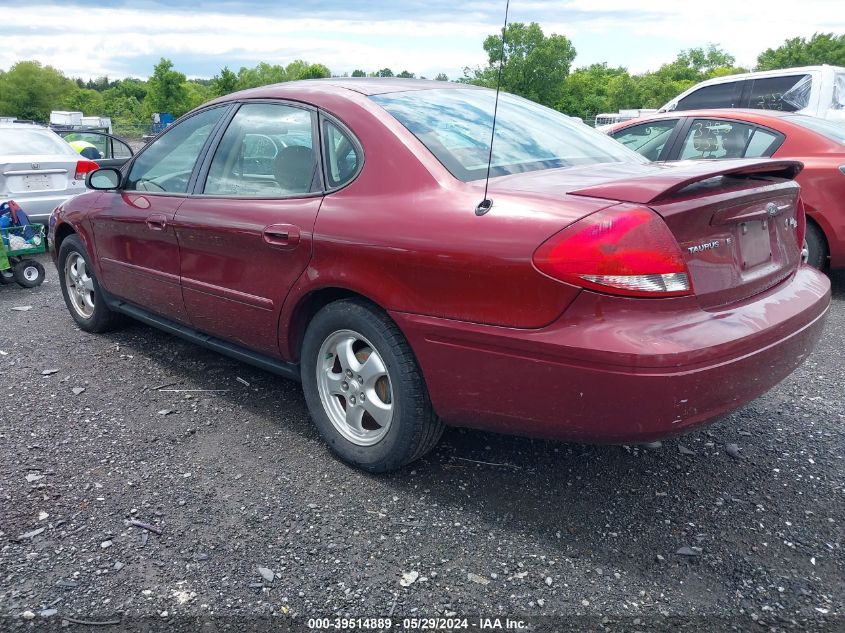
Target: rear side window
(763,143)
(839,92)
(787,93)
(724,95)
(647,139)
(342,156)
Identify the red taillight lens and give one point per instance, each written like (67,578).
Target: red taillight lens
(85,167)
(801,219)
(627,251)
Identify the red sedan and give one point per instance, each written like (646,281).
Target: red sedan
(722,134)
(333,232)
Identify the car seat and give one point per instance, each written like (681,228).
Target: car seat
(295,168)
(733,142)
(704,140)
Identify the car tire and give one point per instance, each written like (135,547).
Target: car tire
(80,289)
(816,247)
(353,349)
(29,273)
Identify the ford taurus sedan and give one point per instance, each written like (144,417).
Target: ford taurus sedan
(337,232)
(721,134)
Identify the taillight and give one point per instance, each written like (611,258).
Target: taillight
(83,168)
(801,226)
(627,251)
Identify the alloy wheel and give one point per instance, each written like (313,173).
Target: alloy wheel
(355,387)
(80,285)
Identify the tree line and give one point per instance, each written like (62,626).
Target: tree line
(536,66)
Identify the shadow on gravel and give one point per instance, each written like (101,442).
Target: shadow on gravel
(549,489)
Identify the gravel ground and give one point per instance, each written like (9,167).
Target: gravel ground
(739,524)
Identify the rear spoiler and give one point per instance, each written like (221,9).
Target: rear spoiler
(675,177)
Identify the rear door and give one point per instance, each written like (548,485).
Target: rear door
(245,233)
(133,227)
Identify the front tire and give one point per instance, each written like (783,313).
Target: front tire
(364,389)
(816,247)
(82,294)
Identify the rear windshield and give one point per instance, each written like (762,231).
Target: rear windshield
(20,141)
(829,129)
(455,125)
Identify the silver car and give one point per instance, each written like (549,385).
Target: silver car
(38,169)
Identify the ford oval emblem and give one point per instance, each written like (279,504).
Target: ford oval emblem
(772,209)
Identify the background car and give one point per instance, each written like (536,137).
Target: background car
(337,232)
(111,151)
(724,134)
(38,169)
(813,90)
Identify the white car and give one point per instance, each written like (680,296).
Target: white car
(814,90)
(38,169)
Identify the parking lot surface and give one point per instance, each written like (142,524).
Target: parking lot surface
(108,440)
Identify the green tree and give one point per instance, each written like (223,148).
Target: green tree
(30,91)
(84,100)
(358,73)
(263,74)
(535,65)
(384,72)
(196,93)
(167,91)
(822,48)
(441,77)
(406,75)
(314,71)
(587,91)
(224,83)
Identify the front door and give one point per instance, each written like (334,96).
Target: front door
(246,233)
(137,249)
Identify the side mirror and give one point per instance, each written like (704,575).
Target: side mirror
(104,179)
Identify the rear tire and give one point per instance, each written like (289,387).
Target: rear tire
(816,247)
(29,273)
(356,361)
(80,289)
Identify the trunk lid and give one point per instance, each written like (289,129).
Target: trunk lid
(37,174)
(737,222)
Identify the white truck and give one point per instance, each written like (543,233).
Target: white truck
(814,90)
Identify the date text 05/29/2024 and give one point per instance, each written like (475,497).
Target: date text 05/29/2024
(416,624)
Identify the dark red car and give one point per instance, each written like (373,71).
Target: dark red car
(723,134)
(330,231)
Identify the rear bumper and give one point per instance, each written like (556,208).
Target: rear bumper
(619,370)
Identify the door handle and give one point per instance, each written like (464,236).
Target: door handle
(157,222)
(282,235)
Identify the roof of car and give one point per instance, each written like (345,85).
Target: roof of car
(20,124)
(716,113)
(364,85)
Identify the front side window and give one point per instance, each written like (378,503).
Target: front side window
(342,159)
(166,165)
(455,125)
(711,138)
(266,152)
(647,139)
(723,95)
(89,145)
